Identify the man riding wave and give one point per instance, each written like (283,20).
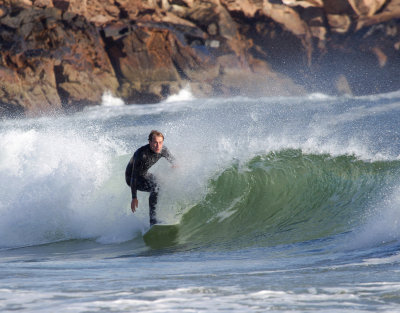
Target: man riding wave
(137,175)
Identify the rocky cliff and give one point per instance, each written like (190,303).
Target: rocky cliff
(64,54)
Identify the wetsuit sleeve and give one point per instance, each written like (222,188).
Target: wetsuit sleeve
(134,177)
(168,156)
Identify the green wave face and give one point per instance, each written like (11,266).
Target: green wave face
(286,197)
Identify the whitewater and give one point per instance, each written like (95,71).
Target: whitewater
(282,204)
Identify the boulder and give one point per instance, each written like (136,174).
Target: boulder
(337,7)
(390,12)
(366,7)
(64,54)
(339,23)
(150,60)
(56,59)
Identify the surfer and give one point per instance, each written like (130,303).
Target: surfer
(136,174)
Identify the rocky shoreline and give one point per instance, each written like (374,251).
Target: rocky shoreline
(62,55)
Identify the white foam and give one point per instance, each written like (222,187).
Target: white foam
(59,184)
(382,225)
(109,100)
(343,298)
(184,94)
(319,96)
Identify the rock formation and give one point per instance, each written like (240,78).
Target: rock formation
(64,54)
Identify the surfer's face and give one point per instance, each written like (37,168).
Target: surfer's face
(156,144)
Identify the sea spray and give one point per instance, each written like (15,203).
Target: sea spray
(108,99)
(382,223)
(53,187)
(185,94)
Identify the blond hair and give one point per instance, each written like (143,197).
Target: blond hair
(155,133)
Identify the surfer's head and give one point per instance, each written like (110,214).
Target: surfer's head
(156,140)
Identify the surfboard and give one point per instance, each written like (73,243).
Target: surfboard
(161,236)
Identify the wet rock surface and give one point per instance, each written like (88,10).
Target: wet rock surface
(61,55)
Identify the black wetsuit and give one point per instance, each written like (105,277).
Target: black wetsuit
(141,161)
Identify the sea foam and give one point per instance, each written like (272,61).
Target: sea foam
(54,185)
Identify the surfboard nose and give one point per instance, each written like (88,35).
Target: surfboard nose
(161,236)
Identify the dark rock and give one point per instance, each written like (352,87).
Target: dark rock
(63,54)
(53,63)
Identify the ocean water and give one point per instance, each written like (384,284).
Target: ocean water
(282,204)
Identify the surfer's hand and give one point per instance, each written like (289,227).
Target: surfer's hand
(134,204)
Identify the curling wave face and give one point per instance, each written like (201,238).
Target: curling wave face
(287,197)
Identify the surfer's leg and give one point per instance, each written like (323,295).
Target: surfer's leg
(149,184)
(152,205)
(152,183)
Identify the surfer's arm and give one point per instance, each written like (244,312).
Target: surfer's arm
(170,158)
(135,202)
(133,184)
